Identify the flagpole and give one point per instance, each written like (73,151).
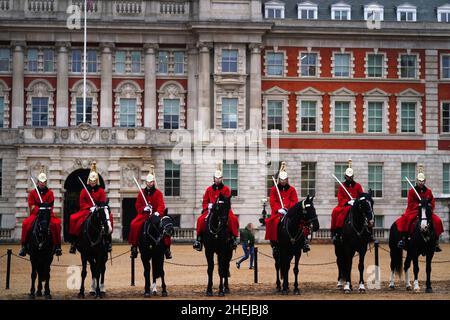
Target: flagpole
(85,60)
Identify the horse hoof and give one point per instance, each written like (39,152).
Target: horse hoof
(92,293)
(278,289)
(429,290)
(391,287)
(164,294)
(296,291)
(31,296)
(81,295)
(221,294)
(39,294)
(102,295)
(284,292)
(209,293)
(408,288)
(155,293)
(362,290)
(227,290)
(48,296)
(147,295)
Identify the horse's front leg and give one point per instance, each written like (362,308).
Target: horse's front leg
(210,259)
(146,264)
(429,289)
(163,286)
(33,280)
(277,271)
(102,279)
(83,275)
(284,266)
(339,264)
(406,267)
(47,293)
(39,281)
(416,272)
(362,288)
(348,261)
(297,259)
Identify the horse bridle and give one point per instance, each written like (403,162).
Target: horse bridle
(365,226)
(36,236)
(299,233)
(100,234)
(219,227)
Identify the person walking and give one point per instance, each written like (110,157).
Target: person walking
(248,245)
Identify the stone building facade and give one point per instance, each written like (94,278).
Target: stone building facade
(322,77)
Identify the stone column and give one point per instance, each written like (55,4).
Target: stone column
(106,107)
(150,106)
(17,105)
(204,92)
(255,86)
(192,103)
(62,84)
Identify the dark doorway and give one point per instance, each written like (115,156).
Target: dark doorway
(73,188)
(128,214)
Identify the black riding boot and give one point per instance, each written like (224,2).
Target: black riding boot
(437,248)
(402,243)
(108,239)
(198,243)
(58,251)
(337,236)
(371,238)
(168,253)
(23,251)
(73,245)
(274,245)
(306,246)
(234,242)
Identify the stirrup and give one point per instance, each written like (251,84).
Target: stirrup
(306,247)
(168,254)
(23,251)
(134,252)
(437,248)
(197,245)
(73,249)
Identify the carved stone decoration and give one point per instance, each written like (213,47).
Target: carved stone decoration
(128,172)
(64,134)
(38,133)
(81,164)
(85,132)
(104,134)
(4,92)
(131,134)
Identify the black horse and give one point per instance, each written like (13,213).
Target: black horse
(291,240)
(92,246)
(152,248)
(355,238)
(218,240)
(422,242)
(41,250)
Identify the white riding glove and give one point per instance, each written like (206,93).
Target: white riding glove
(156,214)
(147,209)
(283,211)
(210,205)
(351,202)
(92,209)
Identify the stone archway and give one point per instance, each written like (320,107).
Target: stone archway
(72,192)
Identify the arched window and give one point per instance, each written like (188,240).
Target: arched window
(4,105)
(128,105)
(40,104)
(171,106)
(76,103)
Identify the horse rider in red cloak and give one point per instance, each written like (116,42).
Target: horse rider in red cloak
(279,209)
(209,198)
(345,203)
(34,203)
(86,208)
(155,208)
(405,223)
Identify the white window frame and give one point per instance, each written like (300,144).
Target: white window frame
(445,179)
(343,95)
(222,57)
(308,181)
(318,64)
(5,92)
(384,66)
(77,92)
(172,90)
(128,89)
(341,7)
(284,66)
(351,70)
(406,96)
(376,8)
(273,5)
(40,88)
(406,8)
(9,61)
(376,95)
(310,94)
(307,6)
(442,66)
(128,61)
(443,9)
(282,113)
(442,116)
(237,112)
(399,65)
(98,61)
(276,94)
(379,164)
(164,113)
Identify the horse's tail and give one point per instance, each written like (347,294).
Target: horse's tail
(395,252)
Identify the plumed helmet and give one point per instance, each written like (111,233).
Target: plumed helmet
(93,175)
(218,174)
(349,170)
(151,174)
(282,174)
(421,174)
(42,177)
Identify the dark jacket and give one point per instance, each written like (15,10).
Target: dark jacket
(247,237)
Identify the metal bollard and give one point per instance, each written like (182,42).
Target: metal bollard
(8,268)
(255,267)
(132,271)
(376,245)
